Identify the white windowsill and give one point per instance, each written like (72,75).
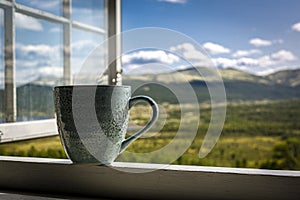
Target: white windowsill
(27,130)
(60,176)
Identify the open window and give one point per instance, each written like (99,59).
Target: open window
(43,44)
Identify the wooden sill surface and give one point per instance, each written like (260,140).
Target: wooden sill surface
(149,181)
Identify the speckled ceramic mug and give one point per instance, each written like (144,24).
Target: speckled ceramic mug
(92,121)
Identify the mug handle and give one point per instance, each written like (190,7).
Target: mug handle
(155,111)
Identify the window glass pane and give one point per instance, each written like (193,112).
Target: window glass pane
(1,67)
(90,12)
(84,46)
(51,6)
(38,67)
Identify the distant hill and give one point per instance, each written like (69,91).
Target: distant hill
(286,77)
(36,98)
(33,102)
(239,85)
(237,75)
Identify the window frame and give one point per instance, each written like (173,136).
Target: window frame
(112,12)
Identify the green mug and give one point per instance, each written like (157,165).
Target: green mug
(92,121)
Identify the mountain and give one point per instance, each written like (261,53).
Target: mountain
(36,98)
(33,102)
(239,85)
(286,77)
(231,74)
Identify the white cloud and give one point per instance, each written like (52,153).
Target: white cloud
(45,4)
(258,42)
(283,55)
(296,27)
(36,56)
(26,22)
(51,71)
(278,58)
(30,58)
(35,61)
(243,53)
(174,1)
(41,49)
(92,16)
(245,61)
(87,12)
(266,61)
(39,56)
(181,56)
(142,57)
(55,30)
(192,54)
(188,51)
(83,44)
(225,62)
(148,68)
(215,48)
(262,65)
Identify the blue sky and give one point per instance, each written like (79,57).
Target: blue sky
(257,36)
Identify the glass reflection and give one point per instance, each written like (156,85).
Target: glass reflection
(38,68)
(89,12)
(51,6)
(83,44)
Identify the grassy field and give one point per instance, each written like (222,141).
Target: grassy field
(43,147)
(263,134)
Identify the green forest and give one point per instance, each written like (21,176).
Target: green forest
(261,134)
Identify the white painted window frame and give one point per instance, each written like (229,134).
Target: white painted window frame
(17,131)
